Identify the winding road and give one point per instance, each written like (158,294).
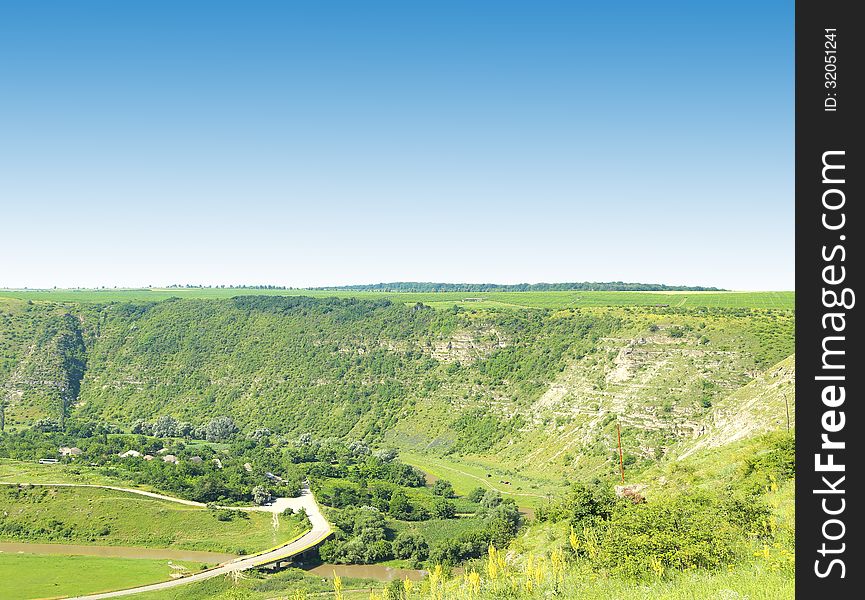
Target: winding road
(318,533)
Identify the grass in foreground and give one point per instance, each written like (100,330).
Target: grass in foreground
(753,581)
(288,584)
(28,576)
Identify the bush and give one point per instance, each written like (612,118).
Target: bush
(410,545)
(220,429)
(777,464)
(443,488)
(443,509)
(491,499)
(477,494)
(360,538)
(503,522)
(691,531)
(584,505)
(261,495)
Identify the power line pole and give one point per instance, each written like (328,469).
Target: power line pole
(621,458)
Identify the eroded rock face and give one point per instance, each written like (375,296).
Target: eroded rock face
(468,346)
(632,492)
(762,405)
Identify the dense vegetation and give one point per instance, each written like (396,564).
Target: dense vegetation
(291,364)
(202,472)
(368,533)
(686,544)
(232,468)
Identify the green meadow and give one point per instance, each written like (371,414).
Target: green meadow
(468,474)
(61,576)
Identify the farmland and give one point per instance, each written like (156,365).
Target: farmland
(552,299)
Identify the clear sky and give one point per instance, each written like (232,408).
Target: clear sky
(322,143)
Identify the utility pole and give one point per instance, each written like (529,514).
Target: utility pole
(787,406)
(621,458)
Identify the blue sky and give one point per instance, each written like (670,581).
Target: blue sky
(321,142)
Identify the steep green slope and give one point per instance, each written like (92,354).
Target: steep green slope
(539,389)
(666,378)
(42,362)
(330,366)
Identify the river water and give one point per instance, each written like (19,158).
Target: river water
(118,552)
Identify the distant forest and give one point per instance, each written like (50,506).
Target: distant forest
(585,286)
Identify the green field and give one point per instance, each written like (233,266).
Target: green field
(466,475)
(765,300)
(29,576)
(108,517)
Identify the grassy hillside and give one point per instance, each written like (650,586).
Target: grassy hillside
(331,366)
(108,517)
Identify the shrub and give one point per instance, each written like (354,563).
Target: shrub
(491,499)
(410,545)
(443,488)
(584,505)
(261,495)
(690,531)
(443,509)
(477,494)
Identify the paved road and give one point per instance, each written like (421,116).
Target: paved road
(320,530)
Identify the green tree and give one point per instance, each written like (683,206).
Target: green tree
(443,488)
(261,495)
(220,429)
(165,426)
